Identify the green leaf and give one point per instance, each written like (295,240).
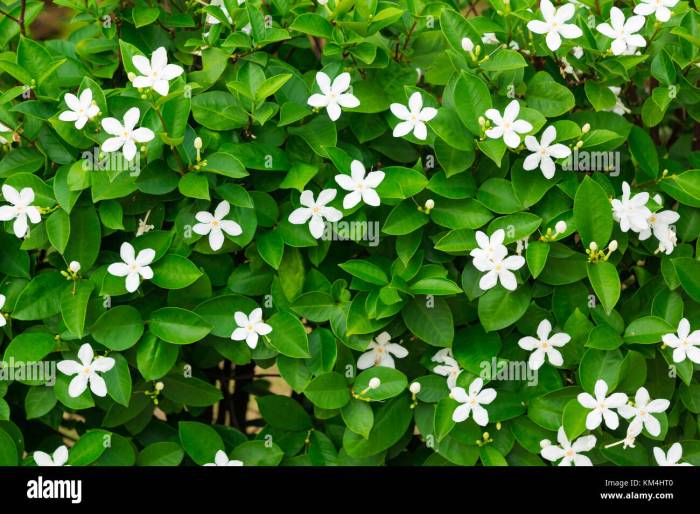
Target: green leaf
(500,308)
(429,319)
(284,413)
(328,391)
(606,283)
(200,441)
(288,335)
(178,326)
(74,304)
(593,213)
(175,272)
(647,330)
(118,328)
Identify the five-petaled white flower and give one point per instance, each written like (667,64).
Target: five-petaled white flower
(660,225)
(543,152)
(20,210)
(333,96)
(3,321)
(472,402)
(569,453)
(86,372)
(631,212)
(221,459)
(602,406)
(554,24)
(315,211)
(381,352)
(660,8)
(250,327)
(215,225)
(643,411)
(59,457)
(134,267)
(623,33)
(450,369)
(361,184)
(156,72)
(544,346)
(492,258)
(507,126)
(686,345)
(413,117)
(82,109)
(488,246)
(125,135)
(675,453)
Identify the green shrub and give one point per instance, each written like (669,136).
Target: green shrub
(458,233)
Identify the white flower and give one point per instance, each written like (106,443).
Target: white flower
(59,457)
(86,371)
(472,402)
(619,108)
(81,110)
(494,260)
(450,369)
(215,225)
(156,73)
(381,353)
(3,321)
(660,225)
(602,406)
(125,135)
(250,327)
(675,453)
(543,152)
(221,459)
(489,38)
(544,346)
(631,212)
(568,452)
(507,126)
(4,128)
(333,96)
(660,8)
(623,33)
(686,345)
(577,51)
(467,44)
(20,210)
(361,186)
(133,267)
(554,24)
(414,117)
(315,212)
(488,246)
(642,412)
(442,355)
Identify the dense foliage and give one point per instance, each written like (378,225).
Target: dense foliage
(458,233)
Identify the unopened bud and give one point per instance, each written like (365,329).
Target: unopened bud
(429,204)
(560,227)
(613,245)
(198,143)
(160,386)
(467,45)
(74,266)
(586,128)
(414,388)
(374,383)
(593,246)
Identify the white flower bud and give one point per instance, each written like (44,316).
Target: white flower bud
(198,143)
(374,383)
(586,128)
(560,227)
(613,245)
(414,388)
(467,44)
(429,204)
(160,386)
(74,266)
(593,246)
